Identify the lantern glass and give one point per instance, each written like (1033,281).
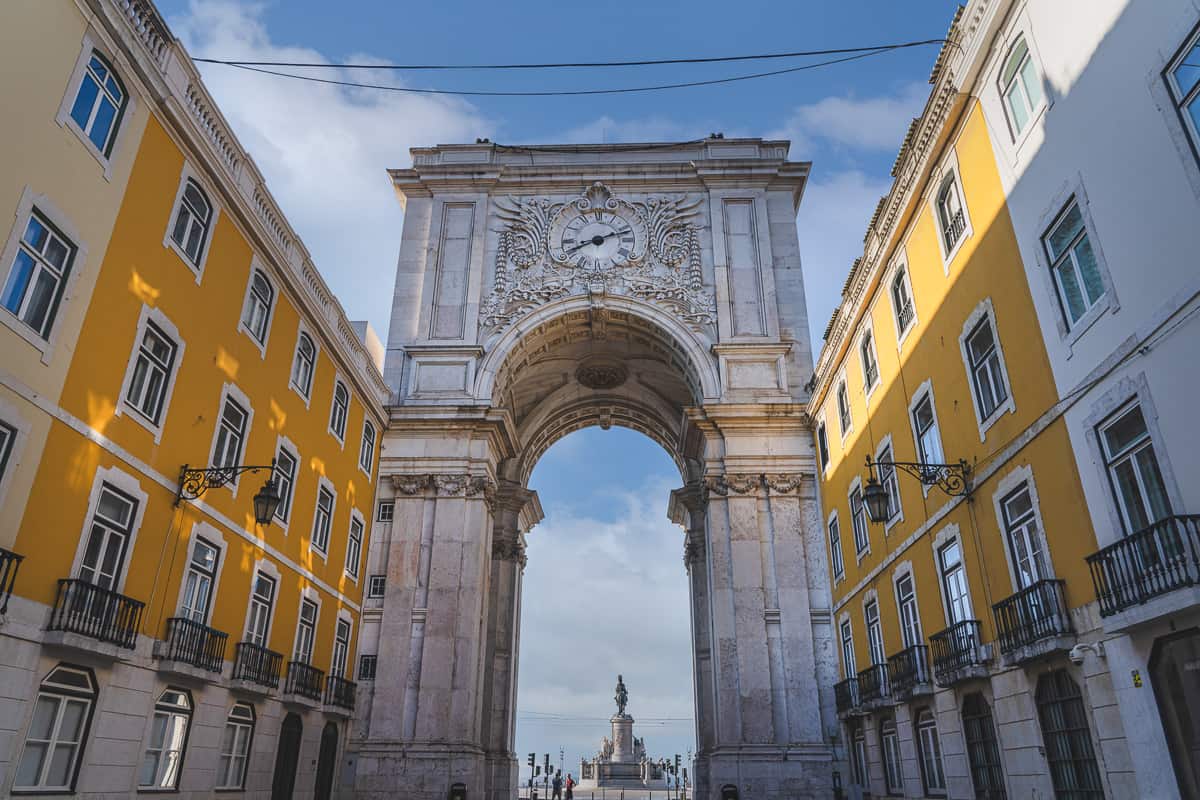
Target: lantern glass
(266,502)
(876,499)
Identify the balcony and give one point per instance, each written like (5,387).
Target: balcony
(191,650)
(88,617)
(1150,574)
(303,685)
(255,668)
(874,690)
(909,673)
(954,230)
(959,653)
(846,694)
(10,562)
(339,695)
(1033,622)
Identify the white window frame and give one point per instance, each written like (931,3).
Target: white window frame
(926,387)
(885,444)
(845,427)
(163,766)
(256,268)
(62,693)
(823,428)
(846,646)
(372,594)
(231,391)
(856,486)
(875,646)
(1179,100)
(919,731)
(14,420)
(128,484)
(212,535)
(195,267)
(366,468)
(352,574)
(949,168)
(29,202)
(1017,136)
(301,331)
(869,388)
(902,571)
(238,724)
(340,437)
(946,536)
(168,329)
(117,63)
(1005,486)
(307,594)
(837,558)
(323,553)
(287,505)
(362,674)
(391,504)
(985,313)
(889,754)
(900,270)
(270,570)
(343,616)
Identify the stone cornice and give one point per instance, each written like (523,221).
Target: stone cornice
(771,483)
(445,484)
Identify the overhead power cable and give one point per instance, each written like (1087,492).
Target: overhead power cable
(572,64)
(566,93)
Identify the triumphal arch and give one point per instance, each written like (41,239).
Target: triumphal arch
(540,290)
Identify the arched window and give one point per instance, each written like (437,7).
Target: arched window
(929,753)
(305,363)
(235,747)
(163,760)
(889,743)
(902,304)
(1020,86)
(983,753)
(192,220)
(258,306)
(1067,737)
(341,407)
(951,218)
(62,714)
(858,756)
(99,103)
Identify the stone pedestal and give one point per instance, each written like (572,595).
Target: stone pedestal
(622,739)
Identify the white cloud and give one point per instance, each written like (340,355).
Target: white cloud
(607,130)
(324,149)
(871,123)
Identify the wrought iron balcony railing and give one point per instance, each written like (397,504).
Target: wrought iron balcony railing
(1151,562)
(908,670)
(257,664)
(956,649)
(10,562)
(339,692)
(304,680)
(1037,612)
(904,315)
(846,694)
(89,610)
(873,684)
(954,230)
(195,644)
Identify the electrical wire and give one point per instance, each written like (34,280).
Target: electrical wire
(572,64)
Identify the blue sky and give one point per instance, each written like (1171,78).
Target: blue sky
(324,151)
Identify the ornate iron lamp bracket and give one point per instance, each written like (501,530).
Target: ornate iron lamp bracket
(953,479)
(195,482)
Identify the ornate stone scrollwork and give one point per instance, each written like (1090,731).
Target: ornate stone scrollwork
(509,549)
(446,485)
(661,266)
(735,483)
(693,550)
(785,483)
(411,484)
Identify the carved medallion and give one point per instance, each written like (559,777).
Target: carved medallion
(601,374)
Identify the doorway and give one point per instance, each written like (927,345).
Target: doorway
(1175,674)
(287,756)
(327,761)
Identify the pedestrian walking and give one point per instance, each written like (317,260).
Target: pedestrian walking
(570,787)
(557,786)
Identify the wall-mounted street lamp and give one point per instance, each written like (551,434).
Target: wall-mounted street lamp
(195,482)
(953,479)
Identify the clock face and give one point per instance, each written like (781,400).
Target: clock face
(597,239)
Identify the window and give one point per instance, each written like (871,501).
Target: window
(235,747)
(1024,539)
(902,303)
(859,756)
(858,519)
(983,752)
(38,276)
(153,364)
(954,582)
(835,549)
(1020,86)
(231,434)
(259,301)
(366,452)
(262,601)
(8,438)
(285,474)
(987,374)
(387,510)
(822,445)
(870,365)
(1133,470)
(848,663)
(168,737)
(906,601)
(887,478)
(341,407)
(62,714)
(951,219)
(889,743)
(1073,264)
(112,526)
(843,406)
(302,369)
(192,219)
(322,520)
(99,104)
(198,582)
(376,585)
(929,753)
(354,547)
(1067,738)
(874,632)
(306,629)
(366,668)
(1183,79)
(341,649)
(929,441)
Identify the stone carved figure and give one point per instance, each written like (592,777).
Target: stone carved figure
(622,696)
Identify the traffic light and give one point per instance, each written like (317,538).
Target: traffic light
(537,771)
(677,763)
(532,758)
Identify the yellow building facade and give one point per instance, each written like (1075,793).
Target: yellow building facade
(160,314)
(961,613)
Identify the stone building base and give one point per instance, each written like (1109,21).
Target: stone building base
(767,772)
(419,770)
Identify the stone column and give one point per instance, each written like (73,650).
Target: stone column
(622,739)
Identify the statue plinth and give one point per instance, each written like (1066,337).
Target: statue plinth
(622,739)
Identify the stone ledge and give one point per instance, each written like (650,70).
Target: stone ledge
(182,669)
(86,644)
(331,710)
(1152,610)
(249,687)
(300,701)
(1038,649)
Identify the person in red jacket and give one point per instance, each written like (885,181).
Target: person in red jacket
(570,784)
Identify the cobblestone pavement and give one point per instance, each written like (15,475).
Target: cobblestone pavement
(609,794)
